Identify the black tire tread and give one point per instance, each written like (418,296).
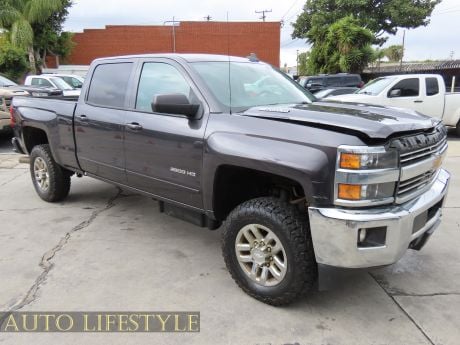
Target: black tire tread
(296,227)
(59,177)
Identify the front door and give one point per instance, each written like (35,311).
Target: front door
(164,152)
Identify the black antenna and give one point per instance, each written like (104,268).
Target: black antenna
(228,55)
(263,13)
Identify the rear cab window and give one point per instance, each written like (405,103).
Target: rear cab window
(432,87)
(109,85)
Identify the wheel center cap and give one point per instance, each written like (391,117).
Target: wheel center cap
(259,256)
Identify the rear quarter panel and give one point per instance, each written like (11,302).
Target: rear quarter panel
(55,118)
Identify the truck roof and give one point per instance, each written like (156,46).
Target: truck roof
(186,57)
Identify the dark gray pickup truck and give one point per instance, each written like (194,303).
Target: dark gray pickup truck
(301,185)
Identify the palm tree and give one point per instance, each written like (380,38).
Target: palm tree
(18,16)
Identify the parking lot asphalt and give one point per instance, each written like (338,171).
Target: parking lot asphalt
(107,250)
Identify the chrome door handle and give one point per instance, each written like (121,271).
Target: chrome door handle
(83,118)
(134,126)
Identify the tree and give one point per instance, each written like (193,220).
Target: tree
(379,16)
(19,17)
(303,63)
(346,48)
(49,37)
(394,53)
(13,62)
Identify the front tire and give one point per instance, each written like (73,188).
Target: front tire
(51,181)
(268,250)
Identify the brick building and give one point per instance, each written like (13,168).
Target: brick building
(235,38)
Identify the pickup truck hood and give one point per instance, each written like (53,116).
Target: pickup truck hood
(375,122)
(354,98)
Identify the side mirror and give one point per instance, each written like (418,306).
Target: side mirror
(174,103)
(395,93)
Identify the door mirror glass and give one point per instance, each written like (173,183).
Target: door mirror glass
(174,103)
(395,93)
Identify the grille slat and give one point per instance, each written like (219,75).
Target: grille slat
(422,153)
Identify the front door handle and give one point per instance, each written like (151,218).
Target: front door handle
(134,126)
(83,118)
(418,101)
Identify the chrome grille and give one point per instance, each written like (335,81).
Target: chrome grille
(423,153)
(419,161)
(416,183)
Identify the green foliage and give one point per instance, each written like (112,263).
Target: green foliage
(368,21)
(378,16)
(394,53)
(13,62)
(303,63)
(346,48)
(35,25)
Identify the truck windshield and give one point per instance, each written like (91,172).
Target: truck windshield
(6,82)
(252,84)
(61,84)
(374,87)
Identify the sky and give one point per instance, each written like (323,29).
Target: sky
(438,40)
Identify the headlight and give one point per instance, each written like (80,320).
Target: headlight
(365,176)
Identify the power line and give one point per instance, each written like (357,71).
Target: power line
(290,8)
(263,13)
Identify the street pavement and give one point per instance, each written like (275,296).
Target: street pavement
(107,250)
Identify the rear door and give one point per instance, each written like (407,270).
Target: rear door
(434,98)
(100,121)
(164,152)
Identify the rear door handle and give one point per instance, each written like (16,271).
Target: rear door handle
(418,101)
(83,118)
(134,126)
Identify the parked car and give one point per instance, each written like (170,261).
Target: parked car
(301,185)
(52,82)
(335,91)
(8,89)
(424,93)
(320,82)
(73,80)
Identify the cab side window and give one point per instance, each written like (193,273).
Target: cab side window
(159,78)
(406,88)
(109,85)
(41,82)
(432,87)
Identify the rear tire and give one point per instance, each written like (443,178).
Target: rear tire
(457,129)
(268,250)
(51,181)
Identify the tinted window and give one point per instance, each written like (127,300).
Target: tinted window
(351,81)
(109,84)
(41,82)
(333,81)
(432,87)
(157,79)
(74,82)
(409,87)
(315,81)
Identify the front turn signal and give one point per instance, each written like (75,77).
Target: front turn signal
(350,161)
(349,191)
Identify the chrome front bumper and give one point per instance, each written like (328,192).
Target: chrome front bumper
(335,231)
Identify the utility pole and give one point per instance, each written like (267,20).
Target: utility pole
(208,18)
(173,31)
(402,53)
(263,14)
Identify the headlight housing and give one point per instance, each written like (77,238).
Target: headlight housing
(365,176)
